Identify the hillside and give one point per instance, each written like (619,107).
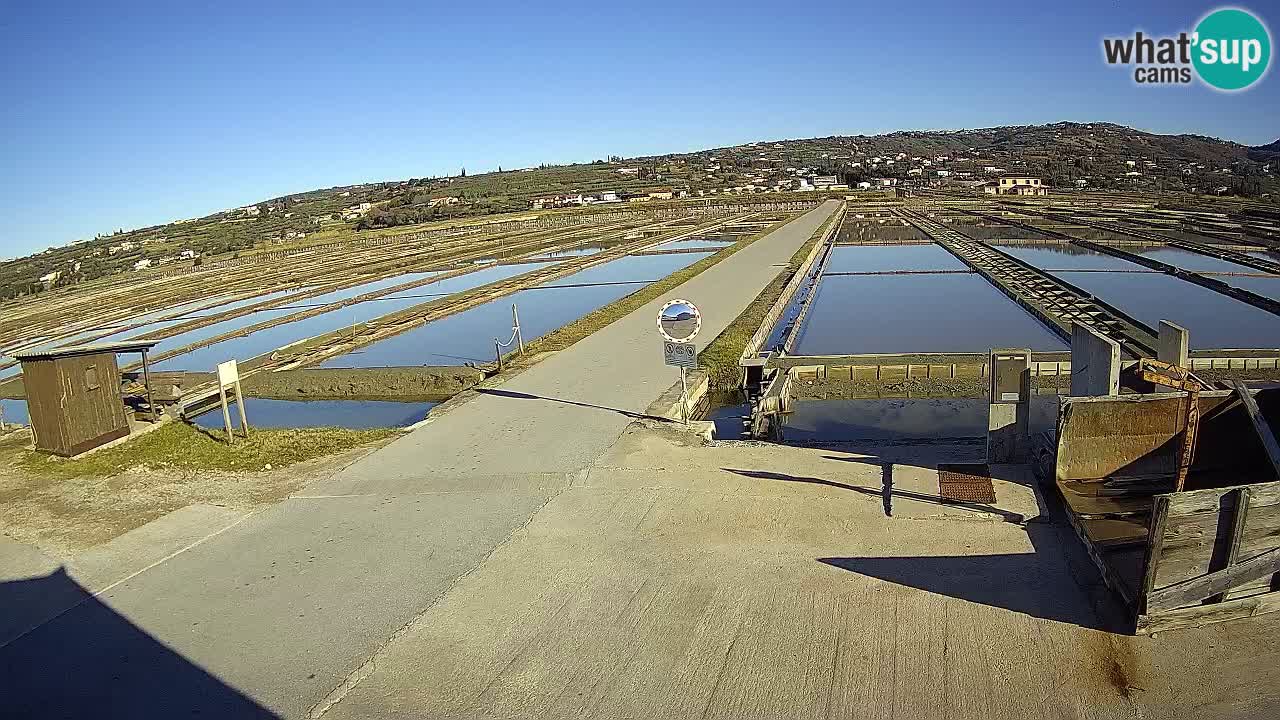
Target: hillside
(1266,153)
(1067,155)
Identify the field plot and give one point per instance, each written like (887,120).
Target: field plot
(966,277)
(468,336)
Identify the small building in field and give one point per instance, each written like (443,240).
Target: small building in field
(1015,185)
(74,396)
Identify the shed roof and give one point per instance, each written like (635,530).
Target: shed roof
(72,350)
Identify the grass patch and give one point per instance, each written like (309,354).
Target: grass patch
(720,358)
(184,447)
(597,319)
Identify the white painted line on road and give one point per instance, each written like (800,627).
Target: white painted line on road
(127,578)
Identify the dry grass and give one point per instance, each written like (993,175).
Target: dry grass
(67,506)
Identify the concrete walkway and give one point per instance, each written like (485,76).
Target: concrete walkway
(761,581)
(281,613)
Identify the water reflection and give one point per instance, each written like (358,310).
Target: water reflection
(1067,257)
(819,421)
(886,258)
(916,313)
(350,414)
(467,337)
(15,411)
(1215,320)
(272,338)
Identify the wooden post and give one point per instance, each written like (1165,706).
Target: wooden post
(226,414)
(1260,426)
(684,397)
(1155,547)
(515,319)
(1238,517)
(146,382)
(244,422)
(497,350)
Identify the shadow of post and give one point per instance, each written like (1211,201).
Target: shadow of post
(91,661)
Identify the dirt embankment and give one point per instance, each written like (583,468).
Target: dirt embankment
(406,383)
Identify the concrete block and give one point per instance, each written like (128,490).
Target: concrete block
(1006,433)
(864,372)
(1095,363)
(1173,344)
(893,373)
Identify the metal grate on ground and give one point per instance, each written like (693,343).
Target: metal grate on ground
(966,482)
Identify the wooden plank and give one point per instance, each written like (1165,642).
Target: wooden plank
(1260,425)
(1207,500)
(1192,543)
(1109,575)
(1197,589)
(1198,615)
(1238,518)
(1113,531)
(1155,549)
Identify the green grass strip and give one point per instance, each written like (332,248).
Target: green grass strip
(183,447)
(720,358)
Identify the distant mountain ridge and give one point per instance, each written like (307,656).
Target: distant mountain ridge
(1101,155)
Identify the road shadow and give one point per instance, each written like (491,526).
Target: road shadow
(1056,581)
(90,661)
(526,396)
(1023,583)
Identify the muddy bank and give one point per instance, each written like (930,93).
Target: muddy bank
(407,383)
(808,388)
(835,388)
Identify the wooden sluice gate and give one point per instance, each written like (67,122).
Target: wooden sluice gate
(1176,558)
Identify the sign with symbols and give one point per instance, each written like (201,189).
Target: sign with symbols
(228,373)
(680,354)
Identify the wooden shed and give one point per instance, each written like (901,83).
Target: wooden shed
(73,395)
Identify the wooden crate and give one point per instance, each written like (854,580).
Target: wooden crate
(1177,559)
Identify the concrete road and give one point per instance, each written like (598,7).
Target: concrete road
(281,613)
(753,581)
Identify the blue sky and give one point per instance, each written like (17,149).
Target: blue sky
(120,117)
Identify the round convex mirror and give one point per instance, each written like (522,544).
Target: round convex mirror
(679,320)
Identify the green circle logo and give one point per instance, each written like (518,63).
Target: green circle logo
(1232,49)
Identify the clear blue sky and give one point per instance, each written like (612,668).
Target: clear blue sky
(149,112)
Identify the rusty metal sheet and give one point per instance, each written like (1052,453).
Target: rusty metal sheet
(966,482)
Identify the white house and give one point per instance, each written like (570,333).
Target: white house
(142,264)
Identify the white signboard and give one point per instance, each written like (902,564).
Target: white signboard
(678,354)
(228,373)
